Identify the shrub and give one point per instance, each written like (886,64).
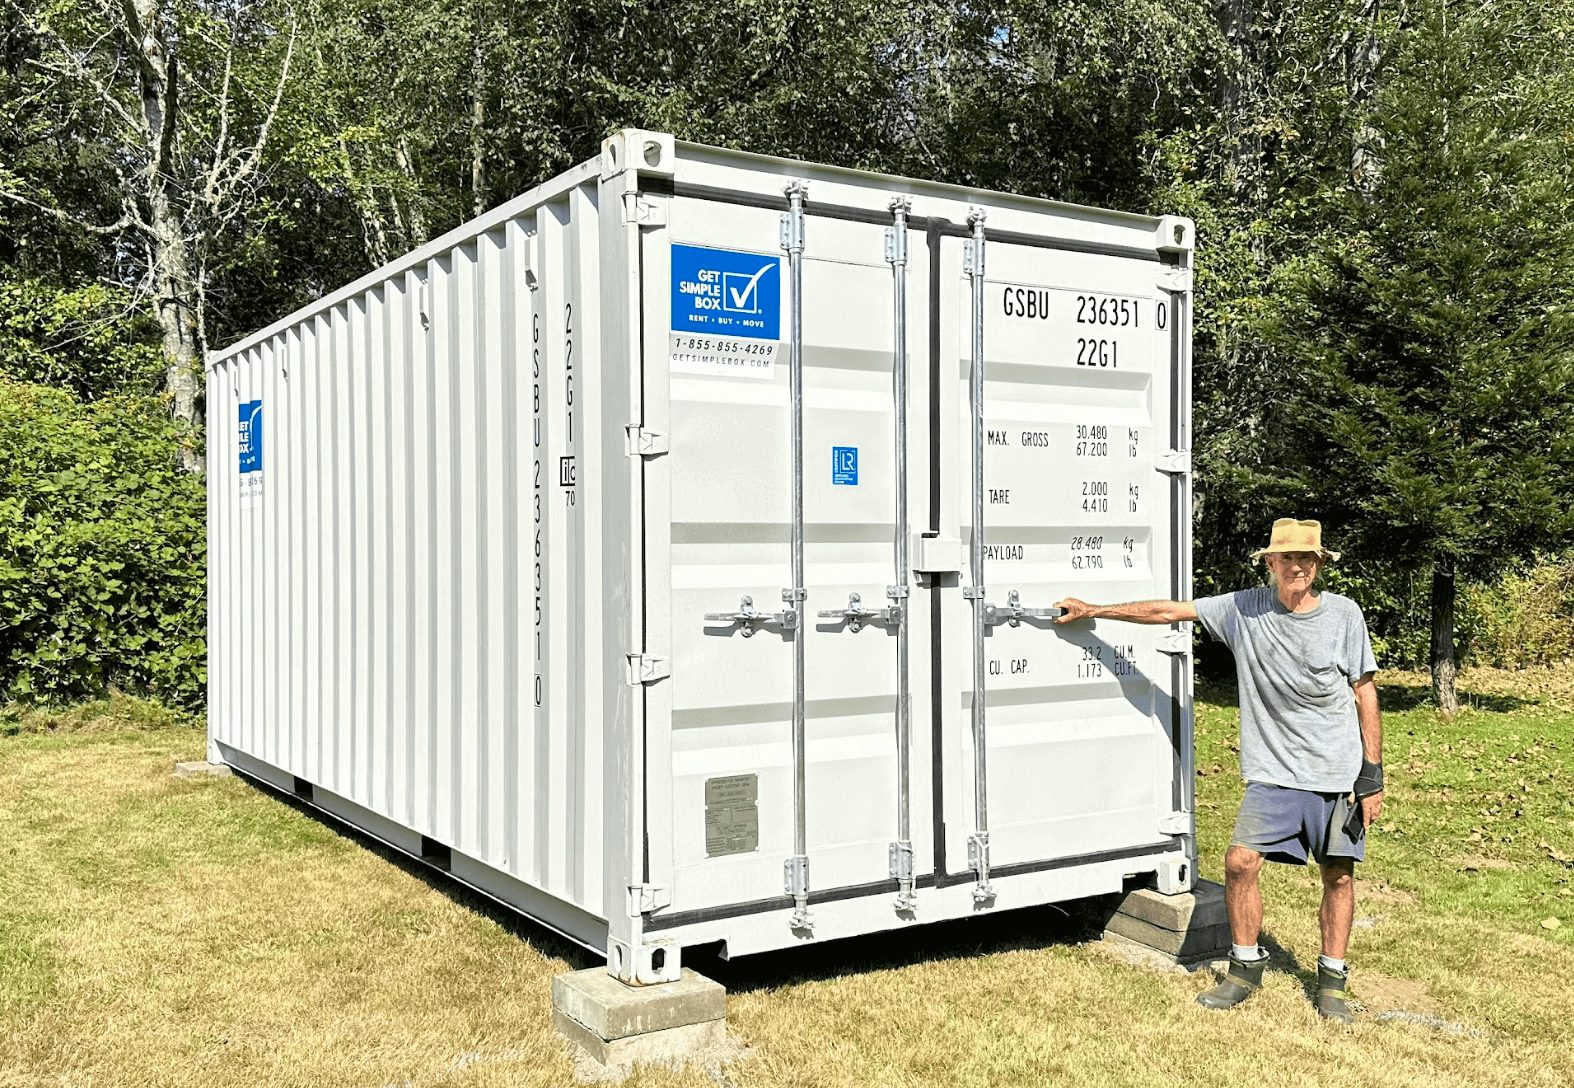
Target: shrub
(102,550)
(113,714)
(1524,619)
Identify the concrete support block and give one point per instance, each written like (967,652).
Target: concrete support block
(620,1025)
(193,770)
(667,1046)
(1185,928)
(1201,907)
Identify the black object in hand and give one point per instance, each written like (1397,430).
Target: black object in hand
(1354,824)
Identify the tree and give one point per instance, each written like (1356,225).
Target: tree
(172,103)
(1429,346)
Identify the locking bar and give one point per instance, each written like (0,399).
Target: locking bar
(752,618)
(1013,612)
(902,848)
(792,229)
(978,844)
(855,615)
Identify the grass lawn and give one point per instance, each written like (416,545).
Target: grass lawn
(166,931)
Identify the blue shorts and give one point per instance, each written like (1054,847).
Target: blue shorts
(1287,825)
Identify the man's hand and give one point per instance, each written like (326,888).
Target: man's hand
(1371,808)
(1073,610)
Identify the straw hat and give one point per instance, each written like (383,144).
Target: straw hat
(1290,535)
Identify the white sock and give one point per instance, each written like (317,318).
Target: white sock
(1247,953)
(1331,963)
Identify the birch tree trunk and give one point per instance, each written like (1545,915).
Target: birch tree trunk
(1366,143)
(176,291)
(478,113)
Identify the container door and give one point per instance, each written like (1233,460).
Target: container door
(1075,502)
(720,763)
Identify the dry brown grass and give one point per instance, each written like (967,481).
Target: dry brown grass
(162,931)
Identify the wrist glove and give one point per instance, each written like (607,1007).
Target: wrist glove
(1369,781)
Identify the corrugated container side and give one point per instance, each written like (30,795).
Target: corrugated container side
(411,573)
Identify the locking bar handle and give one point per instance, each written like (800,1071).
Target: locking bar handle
(1013,613)
(855,615)
(751,618)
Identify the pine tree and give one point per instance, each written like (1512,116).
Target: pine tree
(1431,342)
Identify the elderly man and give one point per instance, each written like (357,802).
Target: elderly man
(1311,745)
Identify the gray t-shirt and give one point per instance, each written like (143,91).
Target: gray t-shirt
(1298,718)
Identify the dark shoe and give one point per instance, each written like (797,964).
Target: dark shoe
(1240,982)
(1331,995)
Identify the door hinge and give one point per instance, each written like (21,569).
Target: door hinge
(647,213)
(645,898)
(1175,823)
(648,668)
(1178,461)
(1178,280)
(638,442)
(1174,642)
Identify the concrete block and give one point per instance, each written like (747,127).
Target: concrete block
(612,1010)
(192,770)
(666,1046)
(1201,907)
(1192,944)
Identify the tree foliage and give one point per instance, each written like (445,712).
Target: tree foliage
(1433,323)
(1381,194)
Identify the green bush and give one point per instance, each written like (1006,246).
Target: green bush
(1525,619)
(102,550)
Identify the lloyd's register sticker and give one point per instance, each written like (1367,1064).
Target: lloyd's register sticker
(726,312)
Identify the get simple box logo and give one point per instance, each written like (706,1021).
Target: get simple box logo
(726,293)
(248,445)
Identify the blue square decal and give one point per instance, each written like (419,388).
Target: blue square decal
(844,464)
(250,436)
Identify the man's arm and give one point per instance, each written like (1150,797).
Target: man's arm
(1135,612)
(1371,720)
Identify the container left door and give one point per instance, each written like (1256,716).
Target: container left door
(720,775)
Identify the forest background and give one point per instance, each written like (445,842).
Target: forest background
(1384,194)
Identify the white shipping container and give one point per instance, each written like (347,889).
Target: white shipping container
(588,551)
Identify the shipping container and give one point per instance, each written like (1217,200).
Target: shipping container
(669,553)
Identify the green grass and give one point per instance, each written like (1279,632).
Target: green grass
(167,931)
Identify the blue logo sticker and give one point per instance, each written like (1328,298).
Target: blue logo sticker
(251,436)
(844,464)
(726,293)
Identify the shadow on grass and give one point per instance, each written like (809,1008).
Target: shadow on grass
(537,936)
(1392,698)
(1219,692)
(962,938)
(1396,698)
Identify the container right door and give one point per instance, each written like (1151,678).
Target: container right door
(1078,415)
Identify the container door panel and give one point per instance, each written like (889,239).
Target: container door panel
(1076,384)
(721,779)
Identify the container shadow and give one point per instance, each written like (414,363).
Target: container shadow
(511,921)
(1027,928)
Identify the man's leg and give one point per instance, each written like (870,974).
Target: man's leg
(1242,898)
(1243,903)
(1338,913)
